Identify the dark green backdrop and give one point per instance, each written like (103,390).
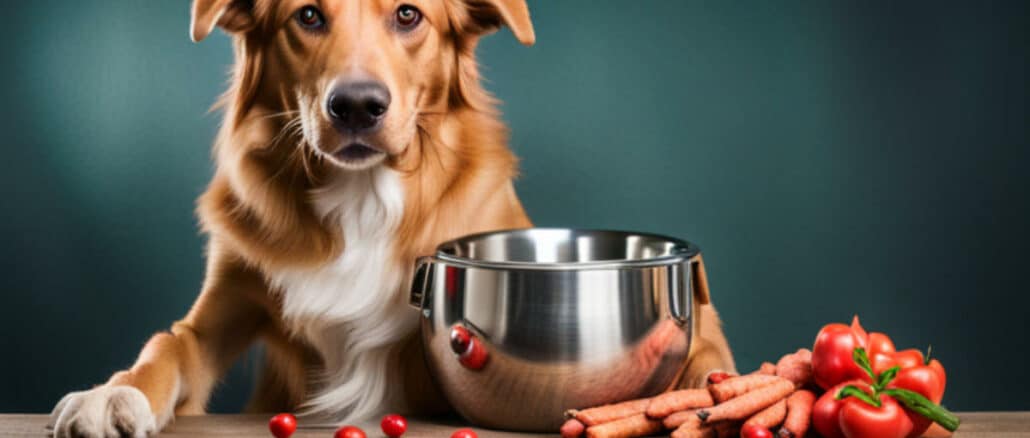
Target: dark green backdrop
(830,158)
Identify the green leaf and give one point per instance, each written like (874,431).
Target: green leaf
(862,359)
(915,402)
(885,377)
(856,392)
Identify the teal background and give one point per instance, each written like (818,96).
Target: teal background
(830,158)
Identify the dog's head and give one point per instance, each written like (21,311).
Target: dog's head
(356,76)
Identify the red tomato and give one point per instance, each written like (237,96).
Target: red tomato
(922,379)
(476,356)
(925,380)
(459,339)
(879,343)
(464,433)
(881,362)
(832,362)
(752,431)
(908,358)
(349,432)
(393,425)
(826,411)
(859,419)
(936,365)
(282,425)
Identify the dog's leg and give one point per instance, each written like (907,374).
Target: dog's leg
(175,371)
(709,351)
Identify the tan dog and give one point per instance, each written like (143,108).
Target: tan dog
(356,137)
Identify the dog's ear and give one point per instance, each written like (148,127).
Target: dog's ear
(232,15)
(489,15)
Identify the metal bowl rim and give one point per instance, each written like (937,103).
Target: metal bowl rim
(683,251)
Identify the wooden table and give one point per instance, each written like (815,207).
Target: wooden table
(974,425)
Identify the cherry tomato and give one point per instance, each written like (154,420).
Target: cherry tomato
(831,355)
(859,419)
(393,425)
(752,431)
(476,356)
(460,338)
(464,433)
(349,431)
(826,411)
(718,377)
(282,425)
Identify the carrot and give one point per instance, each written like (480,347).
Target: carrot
(796,367)
(663,405)
(572,429)
(686,431)
(735,386)
(799,414)
(608,413)
(769,417)
(767,368)
(748,404)
(682,417)
(632,426)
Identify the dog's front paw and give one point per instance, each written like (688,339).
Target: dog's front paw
(104,411)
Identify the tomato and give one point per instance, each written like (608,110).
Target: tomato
(908,358)
(860,332)
(826,411)
(282,425)
(926,381)
(859,419)
(831,355)
(936,365)
(393,425)
(908,388)
(752,431)
(475,357)
(464,433)
(349,432)
(460,338)
(879,343)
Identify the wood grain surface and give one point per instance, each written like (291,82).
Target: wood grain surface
(974,425)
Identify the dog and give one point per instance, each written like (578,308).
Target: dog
(356,137)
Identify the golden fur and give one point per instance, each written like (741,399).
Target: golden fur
(443,138)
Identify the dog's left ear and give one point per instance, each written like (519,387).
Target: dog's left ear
(489,15)
(232,15)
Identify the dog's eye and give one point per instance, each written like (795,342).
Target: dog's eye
(408,17)
(309,17)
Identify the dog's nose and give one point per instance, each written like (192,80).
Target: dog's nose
(358,106)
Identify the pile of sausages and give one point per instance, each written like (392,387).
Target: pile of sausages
(771,397)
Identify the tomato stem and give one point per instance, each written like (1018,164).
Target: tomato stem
(862,359)
(856,392)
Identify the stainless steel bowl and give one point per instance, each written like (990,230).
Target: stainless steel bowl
(559,319)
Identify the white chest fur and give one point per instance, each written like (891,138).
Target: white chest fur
(353,310)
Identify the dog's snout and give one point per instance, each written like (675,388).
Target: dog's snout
(358,106)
